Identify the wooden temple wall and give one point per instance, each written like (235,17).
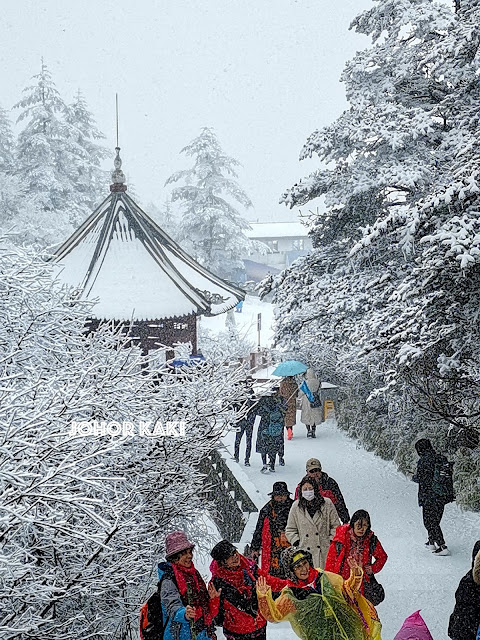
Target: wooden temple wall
(154,334)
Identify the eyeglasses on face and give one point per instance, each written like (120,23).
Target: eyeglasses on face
(315,471)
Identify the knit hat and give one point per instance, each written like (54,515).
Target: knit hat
(313,463)
(280,489)
(290,557)
(223,550)
(175,542)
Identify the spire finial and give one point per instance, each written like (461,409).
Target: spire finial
(116,114)
(118,177)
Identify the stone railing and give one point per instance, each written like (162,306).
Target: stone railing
(232,503)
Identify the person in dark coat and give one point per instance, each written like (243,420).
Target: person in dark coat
(234,576)
(357,541)
(269,537)
(465,619)
(328,488)
(245,426)
(431,504)
(271,409)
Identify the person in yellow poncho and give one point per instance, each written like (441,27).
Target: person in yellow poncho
(318,604)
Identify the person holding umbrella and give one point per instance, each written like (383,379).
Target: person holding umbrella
(289,390)
(311,416)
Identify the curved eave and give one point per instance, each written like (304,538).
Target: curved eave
(189,278)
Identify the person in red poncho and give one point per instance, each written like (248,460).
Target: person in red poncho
(318,604)
(234,576)
(356,541)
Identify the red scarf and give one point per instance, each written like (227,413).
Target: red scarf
(312,576)
(356,548)
(236,577)
(201,599)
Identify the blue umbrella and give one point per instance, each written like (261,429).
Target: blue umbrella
(290,368)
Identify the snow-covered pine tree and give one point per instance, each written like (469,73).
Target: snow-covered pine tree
(11,192)
(166,216)
(431,320)
(391,281)
(89,179)
(7,143)
(46,156)
(212,229)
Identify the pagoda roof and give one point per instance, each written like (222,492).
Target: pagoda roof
(120,257)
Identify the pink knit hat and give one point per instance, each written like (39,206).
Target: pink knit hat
(175,542)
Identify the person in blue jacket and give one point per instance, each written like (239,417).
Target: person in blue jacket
(187,605)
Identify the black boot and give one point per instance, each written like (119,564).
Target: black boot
(313,431)
(309,431)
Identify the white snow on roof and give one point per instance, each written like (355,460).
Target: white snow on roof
(132,279)
(265,230)
(129,282)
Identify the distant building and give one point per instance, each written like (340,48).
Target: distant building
(287,242)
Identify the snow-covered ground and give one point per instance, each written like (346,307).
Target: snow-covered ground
(413,578)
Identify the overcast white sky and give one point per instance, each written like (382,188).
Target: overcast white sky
(264,74)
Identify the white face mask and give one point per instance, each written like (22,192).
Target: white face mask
(308,494)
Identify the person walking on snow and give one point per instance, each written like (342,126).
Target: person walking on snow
(465,619)
(186,604)
(269,537)
(357,541)
(271,409)
(289,392)
(312,522)
(432,505)
(235,576)
(311,417)
(328,488)
(245,426)
(318,604)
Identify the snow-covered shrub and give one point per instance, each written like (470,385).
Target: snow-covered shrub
(83,517)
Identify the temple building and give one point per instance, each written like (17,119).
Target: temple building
(138,276)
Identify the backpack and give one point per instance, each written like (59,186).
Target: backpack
(275,424)
(151,618)
(316,403)
(442,482)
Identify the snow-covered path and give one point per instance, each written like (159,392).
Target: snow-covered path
(413,578)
